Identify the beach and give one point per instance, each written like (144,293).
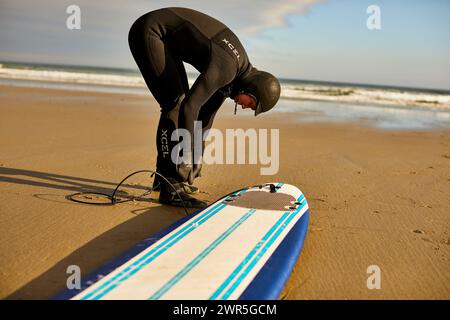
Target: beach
(376,196)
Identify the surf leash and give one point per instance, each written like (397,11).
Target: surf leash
(115,199)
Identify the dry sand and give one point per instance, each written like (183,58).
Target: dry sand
(376,197)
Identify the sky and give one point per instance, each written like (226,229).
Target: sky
(323,40)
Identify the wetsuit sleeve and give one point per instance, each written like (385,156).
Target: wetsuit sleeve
(209,110)
(219,73)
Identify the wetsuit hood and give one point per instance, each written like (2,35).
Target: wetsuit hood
(264,86)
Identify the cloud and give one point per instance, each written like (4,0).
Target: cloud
(246,18)
(38,28)
(260,15)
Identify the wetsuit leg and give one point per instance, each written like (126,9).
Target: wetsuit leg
(166,78)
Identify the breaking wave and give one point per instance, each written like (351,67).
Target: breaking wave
(291,89)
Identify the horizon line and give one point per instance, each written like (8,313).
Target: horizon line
(333,82)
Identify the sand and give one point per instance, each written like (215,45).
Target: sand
(376,197)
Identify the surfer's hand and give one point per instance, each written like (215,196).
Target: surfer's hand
(185,171)
(194,173)
(189,172)
(197,170)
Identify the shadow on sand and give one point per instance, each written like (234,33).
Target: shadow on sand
(99,250)
(56,181)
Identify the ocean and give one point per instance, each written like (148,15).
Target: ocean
(383,106)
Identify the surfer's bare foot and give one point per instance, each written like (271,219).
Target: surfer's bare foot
(169,196)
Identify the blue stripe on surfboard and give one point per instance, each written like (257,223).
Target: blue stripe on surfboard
(199,258)
(282,223)
(164,245)
(112,265)
(258,257)
(150,256)
(268,284)
(97,275)
(183,272)
(244,262)
(253,252)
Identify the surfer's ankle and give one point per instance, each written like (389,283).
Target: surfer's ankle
(175,194)
(182,185)
(181,199)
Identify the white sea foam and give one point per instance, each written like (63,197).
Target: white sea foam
(393,97)
(72,77)
(298,90)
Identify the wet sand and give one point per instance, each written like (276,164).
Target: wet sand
(376,197)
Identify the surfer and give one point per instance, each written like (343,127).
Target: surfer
(160,41)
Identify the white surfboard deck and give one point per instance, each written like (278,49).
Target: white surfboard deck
(214,255)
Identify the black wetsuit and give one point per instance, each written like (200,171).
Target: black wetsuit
(160,42)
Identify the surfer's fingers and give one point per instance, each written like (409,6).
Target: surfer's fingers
(185,171)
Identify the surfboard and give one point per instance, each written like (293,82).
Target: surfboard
(243,246)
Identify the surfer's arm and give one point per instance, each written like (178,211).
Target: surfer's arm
(203,96)
(220,72)
(204,93)
(206,116)
(209,110)
(202,90)
(197,108)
